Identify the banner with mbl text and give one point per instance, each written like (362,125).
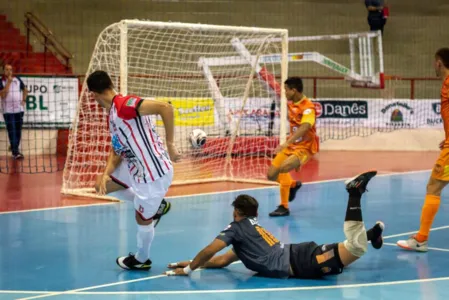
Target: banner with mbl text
(51,102)
(379,113)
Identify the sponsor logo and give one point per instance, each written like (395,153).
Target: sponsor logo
(61,88)
(318,109)
(131,102)
(340,109)
(436,108)
(395,112)
(335,66)
(191,111)
(296,57)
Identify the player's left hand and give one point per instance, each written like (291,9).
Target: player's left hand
(280,148)
(173,153)
(176,272)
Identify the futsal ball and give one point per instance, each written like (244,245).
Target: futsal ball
(198,138)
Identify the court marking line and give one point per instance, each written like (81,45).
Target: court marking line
(430,248)
(56,208)
(75,291)
(211,193)
(412,232)
(385,174)
(261,290)
(52,294)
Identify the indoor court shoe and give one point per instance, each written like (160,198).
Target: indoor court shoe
(359,182)
(131,263)
(377,240)
(281,211)
(293,191)
(163,209)
(413,245)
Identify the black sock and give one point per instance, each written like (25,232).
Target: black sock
(354,210)
(373,233)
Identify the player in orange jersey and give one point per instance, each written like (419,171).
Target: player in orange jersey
(300,146)
(440,173)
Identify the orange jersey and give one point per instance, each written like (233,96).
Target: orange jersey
(445,108)
(299,113)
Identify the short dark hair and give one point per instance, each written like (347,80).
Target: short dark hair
(99,81)
(295,83)
(246,205)
(443,54)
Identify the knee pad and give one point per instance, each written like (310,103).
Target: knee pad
(356,241)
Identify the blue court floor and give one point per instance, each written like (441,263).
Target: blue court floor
(70,253)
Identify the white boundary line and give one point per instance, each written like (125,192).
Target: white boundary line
(412,232)
(430,248)
(52,294)
(56,208)
(386,173)
(262,290)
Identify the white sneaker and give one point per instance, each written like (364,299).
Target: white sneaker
(413,244)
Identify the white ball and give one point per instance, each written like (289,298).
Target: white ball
(198,138)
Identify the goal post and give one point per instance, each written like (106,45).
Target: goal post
(166,62)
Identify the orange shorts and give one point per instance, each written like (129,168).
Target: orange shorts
(441,169)
(303,155)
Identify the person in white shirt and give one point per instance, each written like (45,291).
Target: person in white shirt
(13,94)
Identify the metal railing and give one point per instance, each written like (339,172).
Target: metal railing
(44,35)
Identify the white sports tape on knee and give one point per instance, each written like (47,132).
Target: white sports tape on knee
(357,242)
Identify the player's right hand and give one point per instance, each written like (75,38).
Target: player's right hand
(175,156)
(103,184)
(442,145)
(181,264)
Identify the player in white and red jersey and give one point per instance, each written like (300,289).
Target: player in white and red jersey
(137,146)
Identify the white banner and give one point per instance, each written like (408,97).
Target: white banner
(379,113)
(254,117)
(51,102)
(340,113)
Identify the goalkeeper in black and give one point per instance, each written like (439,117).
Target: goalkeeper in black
(261,252)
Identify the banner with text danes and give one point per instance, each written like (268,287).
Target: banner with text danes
(379,113)
(341,113)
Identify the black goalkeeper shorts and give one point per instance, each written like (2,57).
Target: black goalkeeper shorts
(309,261)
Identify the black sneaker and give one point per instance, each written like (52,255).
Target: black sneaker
(163,209)
(293,191)
(281,211)
(377,230)
(359,182)
(131,263)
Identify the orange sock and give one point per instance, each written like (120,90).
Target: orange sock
(285,181)
(429,210)
(293,184)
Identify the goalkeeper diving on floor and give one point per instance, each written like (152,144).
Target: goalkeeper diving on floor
(261,252)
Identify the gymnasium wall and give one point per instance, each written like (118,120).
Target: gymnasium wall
(413,32)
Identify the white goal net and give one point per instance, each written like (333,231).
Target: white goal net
(232,102)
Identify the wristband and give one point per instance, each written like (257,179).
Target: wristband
(187,270)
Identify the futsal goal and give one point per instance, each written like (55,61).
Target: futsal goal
(168,62)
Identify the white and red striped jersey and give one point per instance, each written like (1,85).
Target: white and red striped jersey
(135,139)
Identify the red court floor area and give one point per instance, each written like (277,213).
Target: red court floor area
(34,191)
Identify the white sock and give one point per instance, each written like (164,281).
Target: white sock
(145,235)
